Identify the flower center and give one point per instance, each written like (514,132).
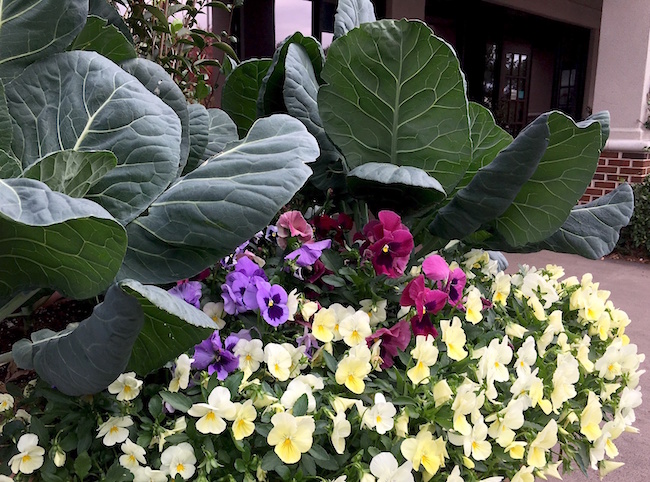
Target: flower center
(127,389)
(385,248)
(210,416)
(286,445)
(26,458)
(270,303)
(114,429)
(180,468)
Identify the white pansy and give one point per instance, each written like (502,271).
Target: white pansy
(29,457)
(213,413)
(474,443)
(6,402)
(355,328)
(341,429)
(133,455)
(250,353)
(278,361)
(114,430)
(181,373)
(215,311)
(565,376)
(147,474)
(382,414)
(178,459)
(126,387)
(298,359)
(302,385)
(293,300)
(385,467)
(375,309)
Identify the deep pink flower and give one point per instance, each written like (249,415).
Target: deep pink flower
(391,244)
(393,339)
(293,224)
(451,281)
(427,302)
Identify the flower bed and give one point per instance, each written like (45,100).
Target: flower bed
(337,360)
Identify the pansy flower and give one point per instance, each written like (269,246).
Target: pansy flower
(272,303)
(189,291)
(210,354)
(309,253)
(391,244)
(293,224)
(392,339)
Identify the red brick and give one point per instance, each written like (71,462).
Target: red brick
(605,184)
(602,161)
(617,177)
(644,163)
(611,154)
(594,192)
(584,199)
(619,162)
(599,176)
(631,170)
(608,169)
(634,155)
(635,179)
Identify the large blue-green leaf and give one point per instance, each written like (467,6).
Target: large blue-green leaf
(351,14)
(395,94)
(494,187)
(212,210)
(300,93)
(240,92)
(603,119)
(221,131)
(72,172)
(98,36)
(171,327)
(50,240)
(401,188)
(158,82)
(82,101)
(34,29)
(488,139)
(270,100)
(563,174)
(103,9)
(592,229)
(87,359)
(199,127)
(9,166)
(5,122)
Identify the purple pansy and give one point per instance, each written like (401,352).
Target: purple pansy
(210,354)
(309,341)
(272,302)
(189,291)
(240,289)
(309,253)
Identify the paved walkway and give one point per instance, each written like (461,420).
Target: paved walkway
(629,284)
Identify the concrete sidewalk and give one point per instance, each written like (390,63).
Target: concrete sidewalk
(629,284)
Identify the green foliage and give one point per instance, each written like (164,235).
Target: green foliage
(391,96)
(635,237)
(168,33)
(92,160)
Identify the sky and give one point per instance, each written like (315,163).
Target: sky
(292,16)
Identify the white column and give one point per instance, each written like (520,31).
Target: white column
(623,72)
(405,9)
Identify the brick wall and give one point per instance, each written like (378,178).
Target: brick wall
(614,168)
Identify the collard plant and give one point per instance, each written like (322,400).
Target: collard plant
(390,111)
(111,183)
